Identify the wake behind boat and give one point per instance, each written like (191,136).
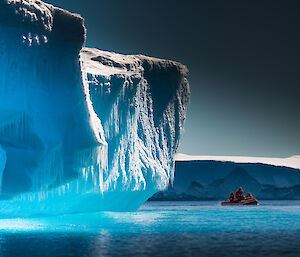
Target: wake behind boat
(240,199)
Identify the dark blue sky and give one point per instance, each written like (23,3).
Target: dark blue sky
(243,57)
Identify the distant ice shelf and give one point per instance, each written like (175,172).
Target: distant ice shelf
(81,129)
(291,162)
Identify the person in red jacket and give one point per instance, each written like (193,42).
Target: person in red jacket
(249,196)
(239,194)
(231,197)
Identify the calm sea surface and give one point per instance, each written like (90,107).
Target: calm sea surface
(161,229)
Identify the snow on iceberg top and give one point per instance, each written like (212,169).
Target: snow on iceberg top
(40,17)
(291,162)
(104,63)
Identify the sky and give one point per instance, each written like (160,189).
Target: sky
(243,57)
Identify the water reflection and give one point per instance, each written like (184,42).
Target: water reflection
(159,229)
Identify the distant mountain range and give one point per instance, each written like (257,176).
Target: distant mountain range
(204,179)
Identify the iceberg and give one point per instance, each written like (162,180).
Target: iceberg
(81,129)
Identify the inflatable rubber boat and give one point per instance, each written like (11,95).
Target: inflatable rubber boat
(251,201)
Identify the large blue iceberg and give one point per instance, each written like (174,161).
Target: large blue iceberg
(81,129)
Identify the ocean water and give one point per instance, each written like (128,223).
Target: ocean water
(161,229)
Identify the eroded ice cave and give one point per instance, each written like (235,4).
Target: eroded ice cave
(81,129)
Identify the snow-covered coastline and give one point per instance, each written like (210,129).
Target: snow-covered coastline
(213,177)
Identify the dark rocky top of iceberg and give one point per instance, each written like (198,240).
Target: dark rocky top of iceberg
(43,19)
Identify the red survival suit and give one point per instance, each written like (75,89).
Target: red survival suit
(231,197)
(239,194)
(249,196)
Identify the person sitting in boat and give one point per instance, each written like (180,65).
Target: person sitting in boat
(231,197)
(239,194)
(249,196)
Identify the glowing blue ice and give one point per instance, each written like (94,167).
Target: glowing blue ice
(81,129)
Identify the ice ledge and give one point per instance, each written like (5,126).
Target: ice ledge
(106,63)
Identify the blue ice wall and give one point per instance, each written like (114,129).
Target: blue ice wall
(81,130)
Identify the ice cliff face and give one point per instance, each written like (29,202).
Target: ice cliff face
(81,129)
(141,103)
